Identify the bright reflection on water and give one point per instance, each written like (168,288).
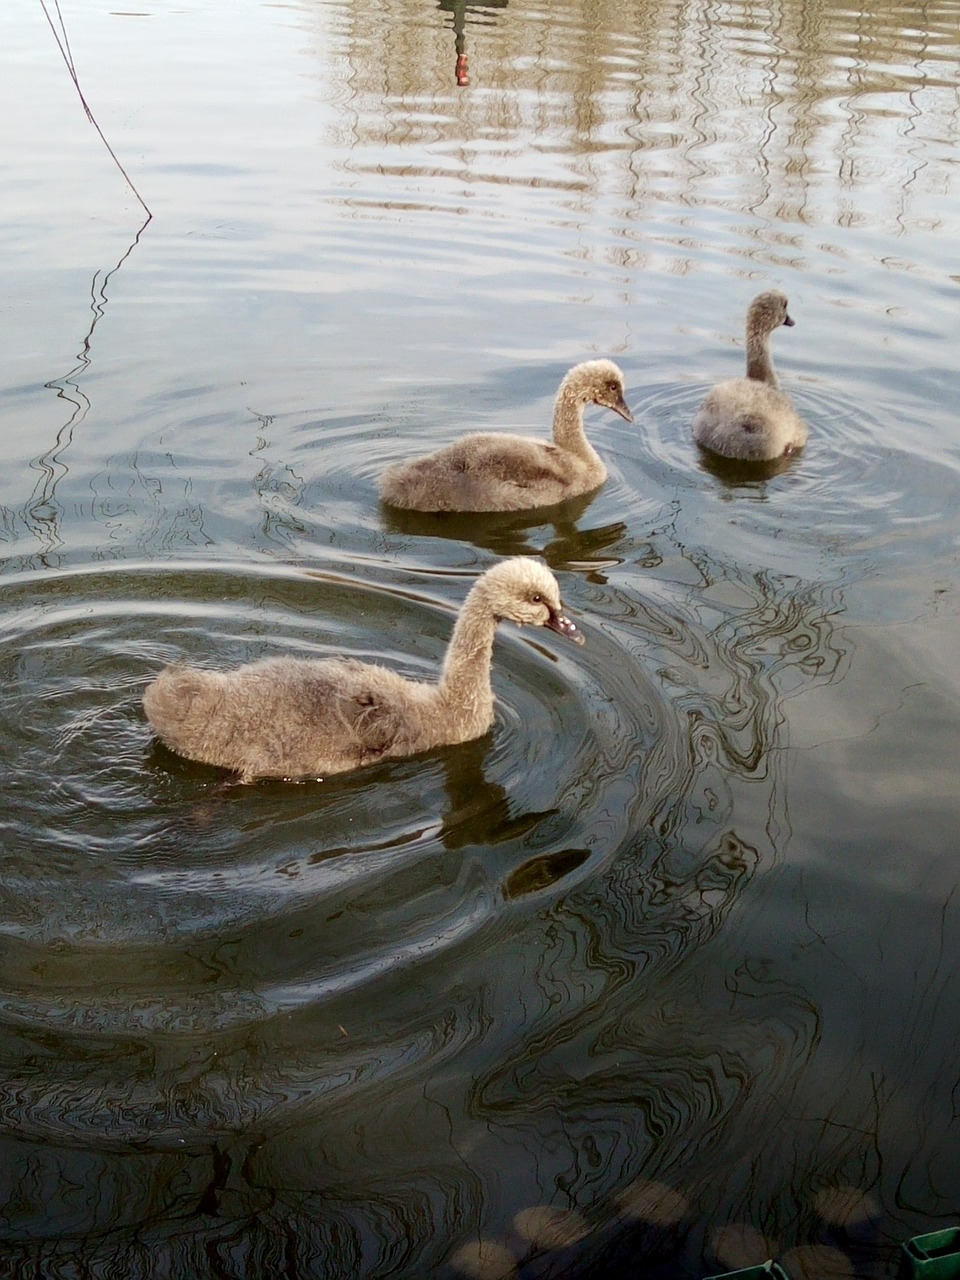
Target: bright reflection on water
(657,978)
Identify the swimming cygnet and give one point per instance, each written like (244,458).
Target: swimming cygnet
(750,417)
(298,717)
(490,471)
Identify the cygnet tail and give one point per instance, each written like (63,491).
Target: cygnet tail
(179,704)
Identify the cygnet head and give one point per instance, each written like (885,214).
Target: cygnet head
(597,382)
(526,592)
(767,312)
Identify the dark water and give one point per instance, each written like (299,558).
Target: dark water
(658,978)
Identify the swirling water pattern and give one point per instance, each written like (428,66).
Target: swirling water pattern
(657,975)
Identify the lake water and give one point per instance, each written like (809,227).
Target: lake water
(660,977)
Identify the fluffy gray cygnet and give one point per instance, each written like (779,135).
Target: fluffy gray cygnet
(750,417)
(491,471)
(299,717)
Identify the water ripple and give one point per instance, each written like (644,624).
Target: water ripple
(855,497)
(147,901)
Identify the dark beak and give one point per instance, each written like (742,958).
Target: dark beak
(561,624)
(623,408)
(789,320)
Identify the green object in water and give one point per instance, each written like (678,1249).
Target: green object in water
(934,1256)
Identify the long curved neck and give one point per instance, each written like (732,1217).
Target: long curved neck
(465,679)
(759,361)
(568,430)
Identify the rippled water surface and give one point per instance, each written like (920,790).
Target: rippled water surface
(659,977)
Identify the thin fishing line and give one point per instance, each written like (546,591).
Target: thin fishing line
(63,44)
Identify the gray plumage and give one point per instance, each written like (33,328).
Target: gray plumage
(490,471)
(295,717)
(750,417)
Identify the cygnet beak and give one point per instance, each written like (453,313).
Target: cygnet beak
(563,626)
(789,320)
(623,408)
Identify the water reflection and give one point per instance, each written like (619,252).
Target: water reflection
(479,812)
(278,961)
(747,91)
(459,9)
(635,1032)
(570,547)
(734,473)
(668,1033)
(662,972)
(543,872)
(43,513)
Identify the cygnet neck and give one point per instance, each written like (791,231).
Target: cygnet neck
(759,361)
(464,687)
(568,430)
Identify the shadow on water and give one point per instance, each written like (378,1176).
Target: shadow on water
(736,472)
(563,544)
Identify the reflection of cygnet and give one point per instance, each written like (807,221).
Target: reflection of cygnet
(750,417)
(497,471)
(300,717)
